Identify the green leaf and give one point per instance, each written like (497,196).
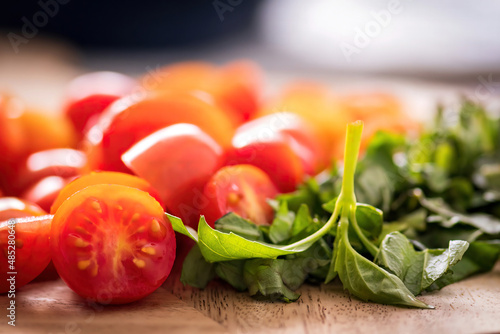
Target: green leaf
(231,222)
(232,273)
(486,223)
(418,269)
(179,226)
(268,278)
(480,257)
(281,228)
(196,272)
(302,220)
(365,279)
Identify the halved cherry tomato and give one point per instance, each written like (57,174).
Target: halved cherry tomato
(234,87)
(25,250)
(271,152)
(242,189)
(300,137)
(44,192)
(89,94)
(95,178)
(320,108)
(127,121)
(178,160)
(112,243)
(13,207)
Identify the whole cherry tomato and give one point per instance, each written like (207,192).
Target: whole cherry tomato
(112,243)
(178,160)
(126,122)
(89,94)
(95,178)
(242,189)
(13,207)
(44,192)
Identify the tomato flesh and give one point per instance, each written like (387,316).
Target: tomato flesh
(30,250)
(242,189)
(112,243)
(178,160)
(102,178)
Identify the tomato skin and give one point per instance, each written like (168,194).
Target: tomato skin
(242,189)
(13,207)
(89,94)
(44,192)
(127,121)
(271,152)
(112,243)
(96,178)
(32,252)
(178,160)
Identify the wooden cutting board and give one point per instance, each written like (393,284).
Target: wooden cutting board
(471,306)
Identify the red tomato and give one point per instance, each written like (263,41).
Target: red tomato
(12,207)
(95,178)
(242,189)
(62,162)
(270,151)
(127,121)
(44,192)
(112,243)
(26,245)
(234,87)
(89,94)
(300,137)
(178,160)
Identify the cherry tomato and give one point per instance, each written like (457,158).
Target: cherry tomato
(12,207)
(242,189)
(269,151)
(300,137)
(62,162)
(112,243)
(89,94)
(25,250)
(320,108)
(125,122)
(234,87)
(95,178)
(178,160)
(44,192)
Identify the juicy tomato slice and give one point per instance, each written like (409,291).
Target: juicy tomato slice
(242,189)
(128,120)
(95,178)
(12,207)
(178,160)
(112,243)
(271,152)
(25,250)
(235,87)
(300,137)
(89,94)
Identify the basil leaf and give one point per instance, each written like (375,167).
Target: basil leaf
(281,228)
(418,269)
(232,273)
(302,220)
(480,257)
(231,222)
(364,279)
(179,226)
(196,271)
(266,278)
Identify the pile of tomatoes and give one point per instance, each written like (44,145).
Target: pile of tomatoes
(191,139)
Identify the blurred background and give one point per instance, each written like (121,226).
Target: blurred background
(438,47)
